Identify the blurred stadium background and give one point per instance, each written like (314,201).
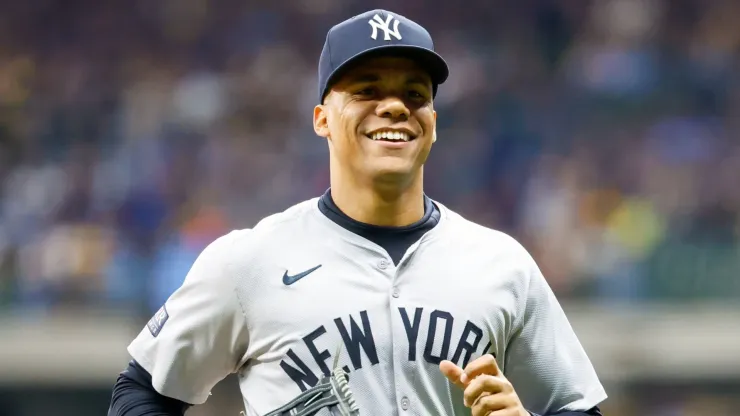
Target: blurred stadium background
(602,134)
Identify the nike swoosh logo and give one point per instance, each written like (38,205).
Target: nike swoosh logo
(289,280)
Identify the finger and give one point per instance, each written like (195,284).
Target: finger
(452,372)
(493,404)
(503,412)
(482,384)
(485,364)
(512,411)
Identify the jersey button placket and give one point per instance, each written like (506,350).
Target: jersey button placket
(383,264)
(399,355)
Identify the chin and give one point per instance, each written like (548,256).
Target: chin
(395,172)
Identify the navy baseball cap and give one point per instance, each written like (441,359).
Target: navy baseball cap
(378,32)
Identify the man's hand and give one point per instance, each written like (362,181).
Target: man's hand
(487,392)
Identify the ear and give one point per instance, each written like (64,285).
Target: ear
(434,132)
(320,121)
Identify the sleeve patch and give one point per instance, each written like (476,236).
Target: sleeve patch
(158,320)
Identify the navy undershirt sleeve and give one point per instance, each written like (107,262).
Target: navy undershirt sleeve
(134,395)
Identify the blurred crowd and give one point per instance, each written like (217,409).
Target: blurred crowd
(601,134)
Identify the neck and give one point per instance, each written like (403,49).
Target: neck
(379,204)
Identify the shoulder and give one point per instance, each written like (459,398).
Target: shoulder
(471,235)
(241,244)
(286,220)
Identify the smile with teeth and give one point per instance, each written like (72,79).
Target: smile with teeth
(392,136)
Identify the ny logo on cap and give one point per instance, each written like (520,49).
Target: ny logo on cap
(378,23)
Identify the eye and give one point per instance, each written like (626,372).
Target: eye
(366,92)
(416,95)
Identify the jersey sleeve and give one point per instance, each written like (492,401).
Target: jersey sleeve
(544,360)
(198,336)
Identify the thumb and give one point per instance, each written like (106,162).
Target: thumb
(452,372)
(485,364)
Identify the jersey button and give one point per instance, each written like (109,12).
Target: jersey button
(405,403)
(383,264)
(396,292)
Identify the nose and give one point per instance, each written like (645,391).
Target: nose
(393,108)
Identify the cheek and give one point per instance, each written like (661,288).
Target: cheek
(349,125)
(343,128)
(428,116)
(426,120)
(352,118)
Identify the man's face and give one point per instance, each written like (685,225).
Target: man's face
(379,120)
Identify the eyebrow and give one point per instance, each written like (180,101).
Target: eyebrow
(368,78)
(418,80)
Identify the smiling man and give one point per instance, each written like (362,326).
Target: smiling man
(427,312)
(379,120)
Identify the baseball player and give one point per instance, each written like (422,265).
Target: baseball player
(371,298)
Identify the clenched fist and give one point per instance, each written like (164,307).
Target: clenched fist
(487,392)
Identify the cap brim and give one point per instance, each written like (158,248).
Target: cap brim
(427,59)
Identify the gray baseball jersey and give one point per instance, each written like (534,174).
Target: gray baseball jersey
(275,302)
